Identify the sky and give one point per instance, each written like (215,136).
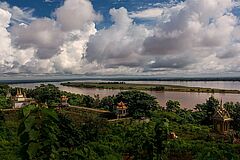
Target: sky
(120,37)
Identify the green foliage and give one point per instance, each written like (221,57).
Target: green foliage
(207,109)
(46,94)
(172,106)
(158,88)
(4,89)
(9,144)
(201,150)
(234,111)
(108,103)
(38,133)
(79,100)
(70,134)
(4,102)
(139,103)
(161,136)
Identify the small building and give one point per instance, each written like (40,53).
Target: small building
(221,120)
(20,100)
(64,102)
(121,110)
(172,135)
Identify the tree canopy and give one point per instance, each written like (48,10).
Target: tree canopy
(139,103)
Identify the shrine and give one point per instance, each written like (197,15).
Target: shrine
(221,120)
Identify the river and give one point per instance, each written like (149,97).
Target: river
(186,99)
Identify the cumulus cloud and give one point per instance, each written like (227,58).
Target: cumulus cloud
(186,35)
(49,46)
(200,29)
(194,36)
(76,14)
(71,59)
(118,45)
(5,45)
(42,34)
(47,35)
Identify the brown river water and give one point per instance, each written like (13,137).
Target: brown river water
(186,99)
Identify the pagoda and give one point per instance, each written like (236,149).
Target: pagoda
(121,110)
(64,102)
(221,120)
(20,100)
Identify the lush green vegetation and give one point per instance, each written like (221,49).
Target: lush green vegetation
(4,102)
(151,87)
(35,132)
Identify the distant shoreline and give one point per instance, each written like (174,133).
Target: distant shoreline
(18,81)
(147,87)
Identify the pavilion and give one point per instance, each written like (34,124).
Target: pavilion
(221,120)
(121,110)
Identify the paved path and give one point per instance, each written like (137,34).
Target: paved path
(90,109)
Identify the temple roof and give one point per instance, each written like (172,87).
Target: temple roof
(222,114)
(64,98)
(20,94)
(121,105)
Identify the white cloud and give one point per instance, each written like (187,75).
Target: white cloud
(76,14)
(49,1)
(148,13)
(48,46)
(5,45)
(18,15)
(161,14)
(42,34)
(119,45)
(71,59)
(200,29)
(195,36)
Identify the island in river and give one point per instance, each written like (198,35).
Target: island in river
(146,87)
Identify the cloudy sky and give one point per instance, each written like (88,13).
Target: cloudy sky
(120,37)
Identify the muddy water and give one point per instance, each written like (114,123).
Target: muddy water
(187,99)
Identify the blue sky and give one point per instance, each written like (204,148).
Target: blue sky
(46,8)
(120,37)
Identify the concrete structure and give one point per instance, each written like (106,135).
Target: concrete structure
(20,100)
(64,102)
(121,110)
(221,120)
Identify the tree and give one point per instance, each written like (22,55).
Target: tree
(38,133)
(172,106)
(234,111)
(207,109)
(139,103)
(108,103)
(138,140)
(4,102)
(88,101)
(49,94)
(4,89)
(161,136)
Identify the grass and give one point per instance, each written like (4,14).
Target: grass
(146,87)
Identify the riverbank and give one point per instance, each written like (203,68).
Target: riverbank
(146,87)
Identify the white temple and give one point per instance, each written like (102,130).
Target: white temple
(20,100)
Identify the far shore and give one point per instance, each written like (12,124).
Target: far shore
(146,87)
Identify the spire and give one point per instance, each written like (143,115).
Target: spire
(17,92)
(221,105)
(20,91)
